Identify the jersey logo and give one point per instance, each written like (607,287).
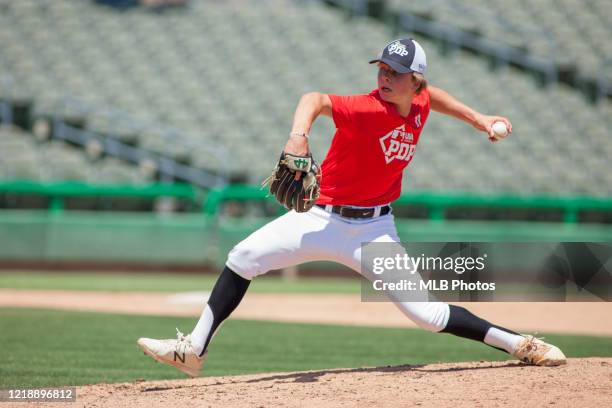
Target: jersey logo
(417,121)
(398,48)
(398,144)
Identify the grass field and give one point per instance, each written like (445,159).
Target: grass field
(166,282)
(51,348)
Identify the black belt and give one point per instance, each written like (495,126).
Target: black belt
(351,212)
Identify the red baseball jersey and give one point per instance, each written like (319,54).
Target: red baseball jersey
(372,146)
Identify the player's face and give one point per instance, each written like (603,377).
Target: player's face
(393,86)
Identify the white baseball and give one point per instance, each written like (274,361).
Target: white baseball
(500,130)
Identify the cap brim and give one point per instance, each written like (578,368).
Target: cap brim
(396,67)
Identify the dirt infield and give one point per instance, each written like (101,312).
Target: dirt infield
(581,383)
(590,318)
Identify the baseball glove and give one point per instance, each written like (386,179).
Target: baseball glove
(301,194)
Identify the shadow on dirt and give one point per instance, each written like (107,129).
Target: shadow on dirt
(314,376)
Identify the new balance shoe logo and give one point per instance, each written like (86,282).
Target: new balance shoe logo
(398,48)
(178,356)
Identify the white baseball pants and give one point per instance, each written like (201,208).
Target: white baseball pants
(318,235)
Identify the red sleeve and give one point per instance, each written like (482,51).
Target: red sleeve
(343,110)
(354,111)
(426,104)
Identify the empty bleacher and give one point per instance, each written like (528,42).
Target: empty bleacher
(22,157)
(573,33)
(229,74)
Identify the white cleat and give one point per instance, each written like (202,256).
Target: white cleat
(534,351)
(177,352)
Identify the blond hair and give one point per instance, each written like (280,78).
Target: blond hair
(420,81)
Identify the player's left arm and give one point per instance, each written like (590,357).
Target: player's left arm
(441,101)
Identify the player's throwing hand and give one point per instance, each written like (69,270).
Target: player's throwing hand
(485,124)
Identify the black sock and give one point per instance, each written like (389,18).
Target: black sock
(463,323)
(224,298)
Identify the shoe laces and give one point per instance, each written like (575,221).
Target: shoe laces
(532,345)
(182,341)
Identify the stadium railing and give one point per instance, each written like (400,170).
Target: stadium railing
(57,192)
(204,237)
(437,203)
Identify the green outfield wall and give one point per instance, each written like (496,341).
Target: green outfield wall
(193,239)
(204,237)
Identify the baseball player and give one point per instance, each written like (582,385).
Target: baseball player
(376,137)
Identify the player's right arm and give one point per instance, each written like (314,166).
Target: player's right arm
(310,106)
(443,102)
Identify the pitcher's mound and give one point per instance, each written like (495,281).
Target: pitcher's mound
(581,383)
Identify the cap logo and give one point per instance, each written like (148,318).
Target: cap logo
(398,48)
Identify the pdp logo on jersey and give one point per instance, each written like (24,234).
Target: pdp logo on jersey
(398,144)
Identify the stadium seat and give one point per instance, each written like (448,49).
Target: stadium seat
(234,86)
